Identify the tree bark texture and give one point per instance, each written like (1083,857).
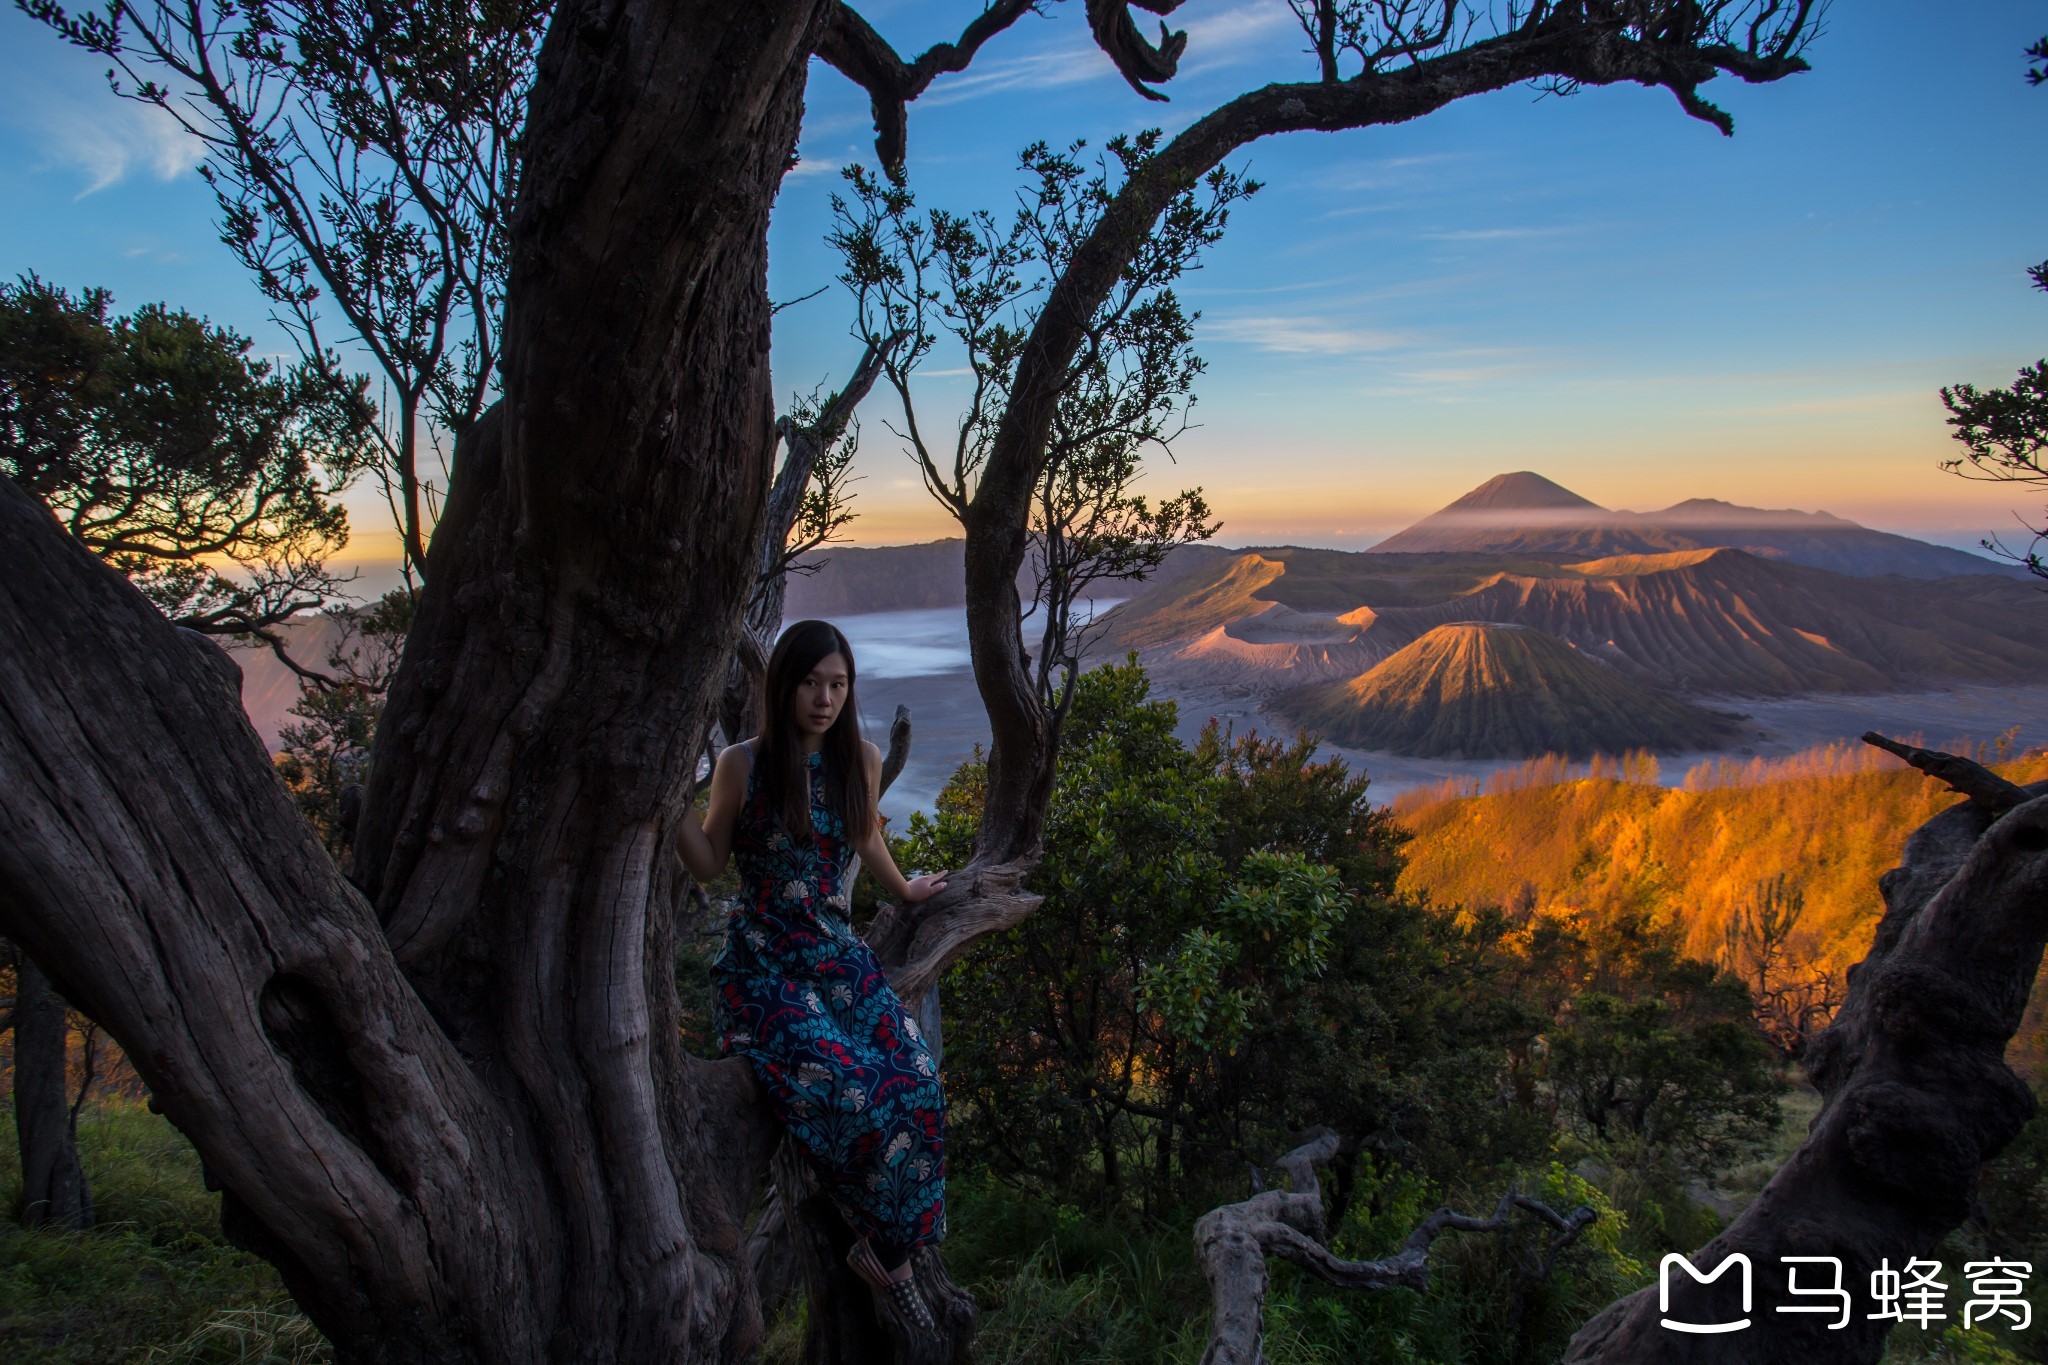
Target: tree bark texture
(53,1188)
(1916,1097)
(452,1105)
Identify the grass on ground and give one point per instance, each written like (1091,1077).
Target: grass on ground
(154,1280)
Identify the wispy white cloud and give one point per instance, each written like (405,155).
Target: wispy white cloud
(1447,373)
(1049,68)
(830,125)
(1240,23)
(1304,335)
(810,167)
(1321,284)
(152,251)
(1241,34)
(1499,234)
(104,139)
(1912,402)
(1387,172)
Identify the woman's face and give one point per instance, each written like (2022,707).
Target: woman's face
(821,694)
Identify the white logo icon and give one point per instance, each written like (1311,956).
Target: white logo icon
(1703,1328)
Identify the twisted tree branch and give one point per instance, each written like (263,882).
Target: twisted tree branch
(853,48)
(1233,1242)
(1963,776)
(1137,60)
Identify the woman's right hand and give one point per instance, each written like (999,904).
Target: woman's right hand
(923,887)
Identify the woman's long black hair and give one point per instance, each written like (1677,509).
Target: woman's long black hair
(784,784)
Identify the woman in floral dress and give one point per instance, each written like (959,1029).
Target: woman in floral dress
(796,990)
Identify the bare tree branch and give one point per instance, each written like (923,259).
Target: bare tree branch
(1963,776)
(852,47)
(898,752)
(278,647)
(1233,1242)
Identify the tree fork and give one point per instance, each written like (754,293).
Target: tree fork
(478,1139)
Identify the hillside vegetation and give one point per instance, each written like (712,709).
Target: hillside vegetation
(1604,844)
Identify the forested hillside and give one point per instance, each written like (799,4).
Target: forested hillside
(1593,844)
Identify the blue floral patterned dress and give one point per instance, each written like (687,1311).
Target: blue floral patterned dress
(802,997)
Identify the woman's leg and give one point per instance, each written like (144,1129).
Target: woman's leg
(894,1259)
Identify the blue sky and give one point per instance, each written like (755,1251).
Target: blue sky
(1596,287)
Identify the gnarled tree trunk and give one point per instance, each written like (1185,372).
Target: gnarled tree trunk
(53,1188)
(452,1105)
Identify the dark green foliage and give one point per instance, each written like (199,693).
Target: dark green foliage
(167,450)
(1654,1058)
(1061,1286)
(1220,964)
(2004,432)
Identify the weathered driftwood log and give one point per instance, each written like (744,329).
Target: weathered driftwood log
(1233,1242)
(1916,1097)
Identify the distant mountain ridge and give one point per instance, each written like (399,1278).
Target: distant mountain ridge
(1704,621)
(1485,689)
(1725,620)
(1524,513)
(842,580)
